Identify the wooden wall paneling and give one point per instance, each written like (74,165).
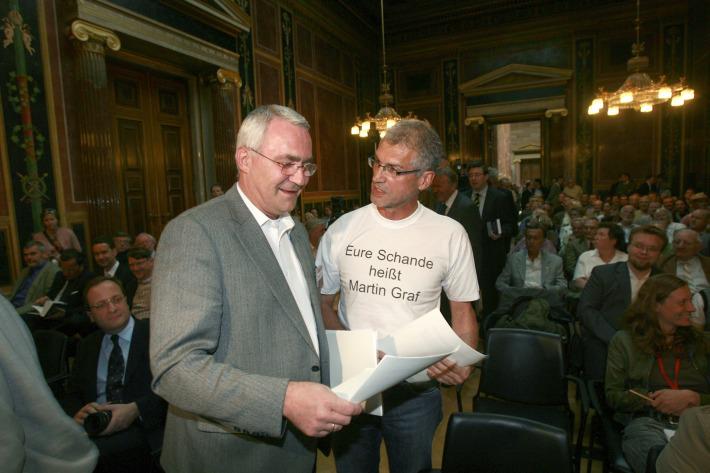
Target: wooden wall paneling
(327,58)
(673,122)
(352,164)
(556,133)
(626,143)
(304,45)
(473,147)
(430,111)
(266,26)
(418,82)
(332,134)
(268,81)
(305,92)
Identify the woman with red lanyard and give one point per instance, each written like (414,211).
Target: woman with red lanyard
(657,366)
(54,237)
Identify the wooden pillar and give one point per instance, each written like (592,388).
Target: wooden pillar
(224,89)
(554,144)
(474,132)
(98,172)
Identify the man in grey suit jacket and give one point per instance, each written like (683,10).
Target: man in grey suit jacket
(35,279)
(534,272)
(609,292)
(237,341)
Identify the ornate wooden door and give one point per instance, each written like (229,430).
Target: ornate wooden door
(151,147)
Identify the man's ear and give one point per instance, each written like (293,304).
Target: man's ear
(425,180)
(242,160)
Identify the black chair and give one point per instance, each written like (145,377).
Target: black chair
(52,353)
(614,459)
(525,376)
(478,442)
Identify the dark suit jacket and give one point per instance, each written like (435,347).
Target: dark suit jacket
(463,211)
(602,304)
(73,295)
(124,274)
(82,384)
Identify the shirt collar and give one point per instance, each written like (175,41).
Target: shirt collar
(127,333)
(450,201)
(113,269)
(482,192)
(284,223)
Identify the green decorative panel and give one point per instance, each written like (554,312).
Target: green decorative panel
(672,122)
(23,103)
(246,65)
(451,106)
(584,93)
(289,70)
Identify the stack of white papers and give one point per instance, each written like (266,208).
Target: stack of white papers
(356,374)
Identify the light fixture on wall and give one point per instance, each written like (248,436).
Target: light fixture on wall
(387,116)
(638,90)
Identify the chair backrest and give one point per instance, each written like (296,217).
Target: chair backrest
(52,352)
(480,442)
(525,366)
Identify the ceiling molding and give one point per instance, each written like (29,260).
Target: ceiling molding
(515,77)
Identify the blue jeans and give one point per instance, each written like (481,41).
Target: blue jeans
(407,426)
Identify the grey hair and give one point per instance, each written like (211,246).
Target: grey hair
(254,126)
(681,230)
(449,174)
(36,243)
(420,137)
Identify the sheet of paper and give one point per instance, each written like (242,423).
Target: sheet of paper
(388,372)
(429,334)
(353,352)
(43,309)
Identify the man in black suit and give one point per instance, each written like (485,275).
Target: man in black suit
(454,204)
(494,208)
(67,287)
(610,290)
(112,374)
(105,253)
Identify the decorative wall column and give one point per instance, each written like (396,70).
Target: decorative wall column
(96,160)
(451,108)
(584,93)
(672,164)
(475,143)
(554,143)
(224,88)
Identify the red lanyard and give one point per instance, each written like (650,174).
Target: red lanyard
(673,384)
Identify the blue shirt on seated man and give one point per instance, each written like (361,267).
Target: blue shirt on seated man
(111,374)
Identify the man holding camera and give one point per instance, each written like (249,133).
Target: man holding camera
(111,380)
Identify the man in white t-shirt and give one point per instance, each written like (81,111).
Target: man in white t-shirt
(389,261)
(608,239)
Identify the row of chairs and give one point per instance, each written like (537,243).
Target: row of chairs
(522,417)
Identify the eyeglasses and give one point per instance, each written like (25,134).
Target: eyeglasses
(291,168)
(388,169)
(648,249)
(102,305)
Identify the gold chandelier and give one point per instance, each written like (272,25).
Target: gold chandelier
(638,90)
(387,116)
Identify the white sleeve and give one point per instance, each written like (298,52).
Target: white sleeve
(326,269)
(461,281)
(580,269)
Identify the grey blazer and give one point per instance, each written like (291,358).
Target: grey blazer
(226,338)
(39,287)
(511,280)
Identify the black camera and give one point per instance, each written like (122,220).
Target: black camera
(97,422)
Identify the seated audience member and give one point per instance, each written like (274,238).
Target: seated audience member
(649,186)
(105,256)
(111,373)
(53,237)
(540,218)
(68,287)
(315,228)
(533,272)
(680,210)
(688,451)
(37,436)
(122,242)
(642,215)
(623,185)
(687,263)
(216,190)
(626,221)
(699,220)
(607,240)
(572,189)
(145,240)
(576,245)
(140,262)
(34,280)
(660,355)
(610,290)
(662,219)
